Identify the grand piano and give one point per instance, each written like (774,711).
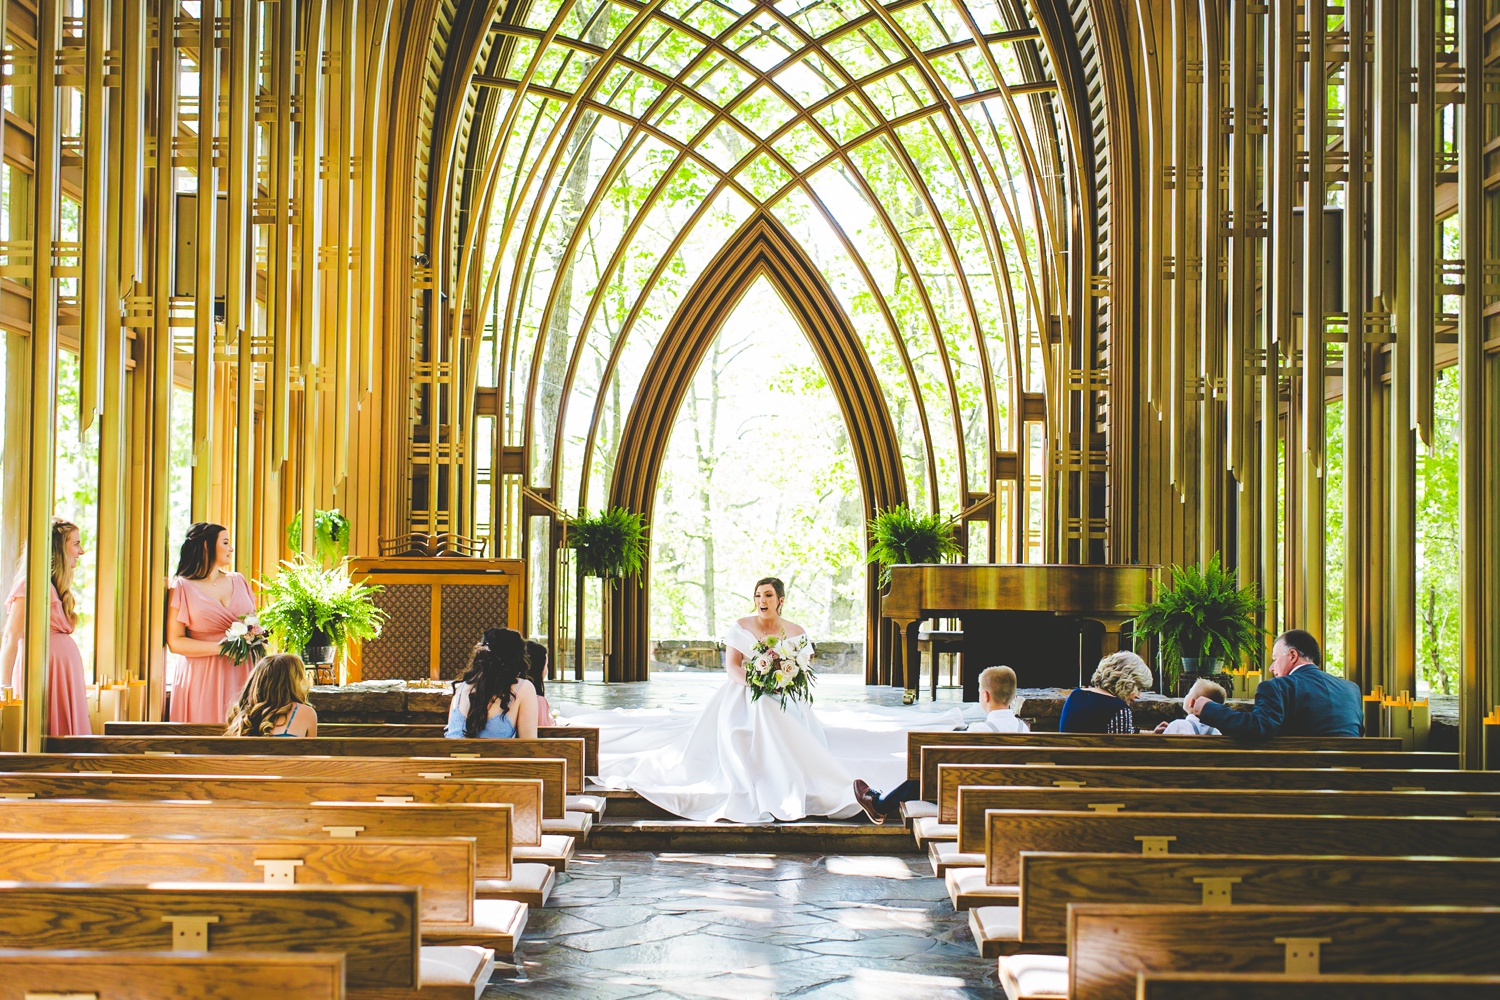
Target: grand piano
(1050,624)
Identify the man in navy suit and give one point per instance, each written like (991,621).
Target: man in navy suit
(1300,700)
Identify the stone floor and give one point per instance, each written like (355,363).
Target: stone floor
(746,926)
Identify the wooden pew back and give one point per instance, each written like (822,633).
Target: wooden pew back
(551,772)
(383,730)
(524,797)
(952,776)
(1011,833)
(442,867)
(375,927)
(570,750)
(1268,986)
(1108,945)
(487,823)
(166,975)
(1050,882)
(916,739)
(1165,757)
(975,802)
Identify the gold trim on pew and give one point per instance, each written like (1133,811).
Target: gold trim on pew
(1217,890)
(189,933)
(1154,844)
(1304,955)
(280,871)
(347,832)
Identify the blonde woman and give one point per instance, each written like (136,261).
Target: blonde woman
(274,702)
(67,700)
(1104,706)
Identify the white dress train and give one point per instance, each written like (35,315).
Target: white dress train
(753,761)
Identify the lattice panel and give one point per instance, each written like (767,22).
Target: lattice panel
(404,647)
(469,609)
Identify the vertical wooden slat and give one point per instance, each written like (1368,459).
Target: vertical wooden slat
(206,263)
(1279,329)
(1356,620)
(1312,515)
(240,269)
(310,280)
(278,377)
(92,243)
(1423,219)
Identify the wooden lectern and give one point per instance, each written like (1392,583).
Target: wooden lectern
(1048,623)
(439,606)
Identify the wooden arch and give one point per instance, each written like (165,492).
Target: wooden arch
(762,248)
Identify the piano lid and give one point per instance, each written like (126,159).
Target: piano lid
(922,591)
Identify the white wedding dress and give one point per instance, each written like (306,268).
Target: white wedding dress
(753,761)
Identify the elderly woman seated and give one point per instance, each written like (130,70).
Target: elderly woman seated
(1104,706)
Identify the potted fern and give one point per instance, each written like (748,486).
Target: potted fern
(318,611)
(901,536)
(611,545)
(330,535)
(1204,621)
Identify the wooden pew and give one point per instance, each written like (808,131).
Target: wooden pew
(552,773)
(975,802)
(952,776)
(1050,882)
(487,823)
(375,927)
(386,730)
(1110,945)
(570,750)
(1270,986)
(167,975)
(1011,833)
(932,757)
(441,867)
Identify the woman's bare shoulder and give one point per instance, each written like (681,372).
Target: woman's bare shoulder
(793,629)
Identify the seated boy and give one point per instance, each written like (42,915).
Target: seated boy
(997,689)
(1192,726)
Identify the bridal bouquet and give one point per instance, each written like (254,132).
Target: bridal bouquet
(244,640)
(781,667)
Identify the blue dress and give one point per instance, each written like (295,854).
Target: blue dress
(496,727)
(1092,712)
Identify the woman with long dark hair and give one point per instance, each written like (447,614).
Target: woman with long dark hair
(207,597)
(536,658)
(495,700)
(67,698)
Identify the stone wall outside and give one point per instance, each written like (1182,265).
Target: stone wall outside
(829,656)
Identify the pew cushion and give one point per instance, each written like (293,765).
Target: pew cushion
(459,973)
(588,803)
(967,888)
(945,855)
(573,824)
(916,809)
(927,829)
(994,928)
(497,925)
(1026,976)
(555,850)
(530,883)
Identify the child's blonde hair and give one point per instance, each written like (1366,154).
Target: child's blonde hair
(1000,682)
(1205,688)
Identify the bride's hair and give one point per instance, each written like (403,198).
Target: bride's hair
(776,585)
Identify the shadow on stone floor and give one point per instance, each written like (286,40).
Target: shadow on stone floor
(744,927)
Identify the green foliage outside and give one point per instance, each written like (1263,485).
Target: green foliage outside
(331,538)
(305,598)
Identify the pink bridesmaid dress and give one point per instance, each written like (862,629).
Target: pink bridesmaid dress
(67,695)
(208,686)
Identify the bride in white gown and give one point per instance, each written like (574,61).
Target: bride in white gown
(753,761)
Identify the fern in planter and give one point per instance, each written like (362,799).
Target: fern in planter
(900,535)
(610,544)
(307,602)
(1203,615)
(330,535)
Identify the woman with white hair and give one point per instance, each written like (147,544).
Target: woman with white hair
(1104,706)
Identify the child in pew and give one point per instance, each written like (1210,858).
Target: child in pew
(536,660)
(1191,726)
(274,700)
(495,699)
(997,691)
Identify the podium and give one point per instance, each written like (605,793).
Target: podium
(439,606)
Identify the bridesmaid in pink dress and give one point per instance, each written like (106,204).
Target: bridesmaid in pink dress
(66,698)
(207,597)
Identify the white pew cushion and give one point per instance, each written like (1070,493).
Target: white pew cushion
(1026,976)
(944,855)
(530,882)
(916,809)
(587,803)
(927,829)
(967,888)
(576,824)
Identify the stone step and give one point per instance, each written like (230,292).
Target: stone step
(811,836)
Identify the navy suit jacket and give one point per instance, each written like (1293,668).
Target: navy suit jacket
(1306,702)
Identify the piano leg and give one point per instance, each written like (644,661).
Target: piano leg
(911,665)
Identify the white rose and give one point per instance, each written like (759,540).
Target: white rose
(252,620)
(236,630)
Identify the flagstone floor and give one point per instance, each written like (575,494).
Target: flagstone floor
(746,926)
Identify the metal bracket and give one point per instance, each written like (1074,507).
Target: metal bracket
(189,933)
(343,832)
(1106,807)
(61,996)
(1154,845)
(1068,784)
(280,871)
(1217,890)
(465,756)
(160,753)
(16,796)
(1304,955)
(1407,788)
(434,775)
(395,799)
